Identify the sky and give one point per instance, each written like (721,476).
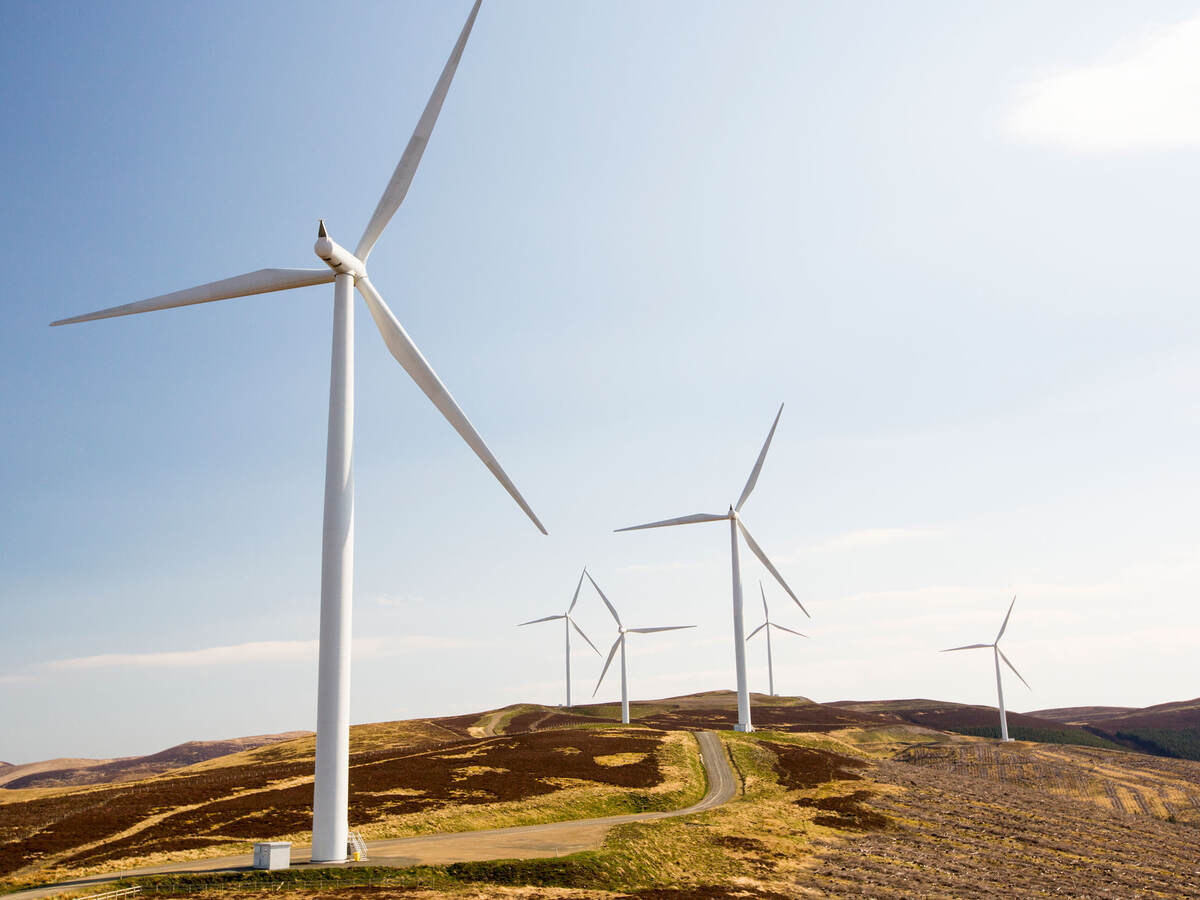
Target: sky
(957,241)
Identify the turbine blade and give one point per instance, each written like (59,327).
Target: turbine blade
(611,608)
(543,619)
(753,480)
(1014,668)
(1006,615)
(397,187)
(608,662)
(261,282)
(682,520)
(966,647)
(762,557)
(664,628)
(582,635)
(575,599)
(407,354)
(763,591)
(788,630)
(757,630)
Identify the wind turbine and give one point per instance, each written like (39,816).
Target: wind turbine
(347,271)
(767,626)
(620,642)
(735,525)
(998,655)
(568,624)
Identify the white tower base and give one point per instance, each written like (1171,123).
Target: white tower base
(739,639)
(331,786)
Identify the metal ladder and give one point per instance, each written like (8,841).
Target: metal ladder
(355,845)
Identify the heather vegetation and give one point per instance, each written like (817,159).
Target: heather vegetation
(832,802)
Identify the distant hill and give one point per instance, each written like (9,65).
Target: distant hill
(1076,715)
(74,772)
(1166,729)
(14,772)
(980,721)
(1180,714)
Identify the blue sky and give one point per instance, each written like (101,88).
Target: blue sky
(956,240)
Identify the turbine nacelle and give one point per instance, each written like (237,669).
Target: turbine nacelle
(336,256)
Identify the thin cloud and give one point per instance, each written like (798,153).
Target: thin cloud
(1142,98)
(253,652)
(15,679)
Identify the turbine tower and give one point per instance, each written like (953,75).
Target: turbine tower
(767,626)
(735,525)
(620,642)
(568,624)
(346,271)
(997,655)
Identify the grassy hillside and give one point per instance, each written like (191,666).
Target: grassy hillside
(266,794)
(836,814)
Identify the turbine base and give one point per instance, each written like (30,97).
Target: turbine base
(743,728)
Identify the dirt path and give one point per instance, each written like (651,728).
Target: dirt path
(488,728)
(527,842)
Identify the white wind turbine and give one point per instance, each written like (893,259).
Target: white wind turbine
(347,271)
(620,643)
(997,655)
(736,524)
(568,624)
(767,626)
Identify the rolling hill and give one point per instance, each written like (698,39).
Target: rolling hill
(1166,729)
(835,800)
(72,772)
(979,721)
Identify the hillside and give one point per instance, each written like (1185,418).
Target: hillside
(402,782)
(75,772)
(834,801)
(979,721)
(9,773)
(1166,729)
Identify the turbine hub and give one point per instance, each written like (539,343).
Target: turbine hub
(336,256)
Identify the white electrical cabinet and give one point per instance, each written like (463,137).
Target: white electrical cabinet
(273,855)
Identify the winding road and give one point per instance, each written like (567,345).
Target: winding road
(524,842)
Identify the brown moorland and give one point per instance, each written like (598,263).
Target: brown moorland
(70,772)
(1179,714)
(212,808)
(865,805)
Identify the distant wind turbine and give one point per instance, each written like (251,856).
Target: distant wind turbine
(735,525)
(347,271)
(998,655)
(620,643)
(568,624)
(767,626)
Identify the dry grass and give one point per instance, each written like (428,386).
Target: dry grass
(495,783)
(681,783)
(832,815)
(1123,783)
(620,759)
